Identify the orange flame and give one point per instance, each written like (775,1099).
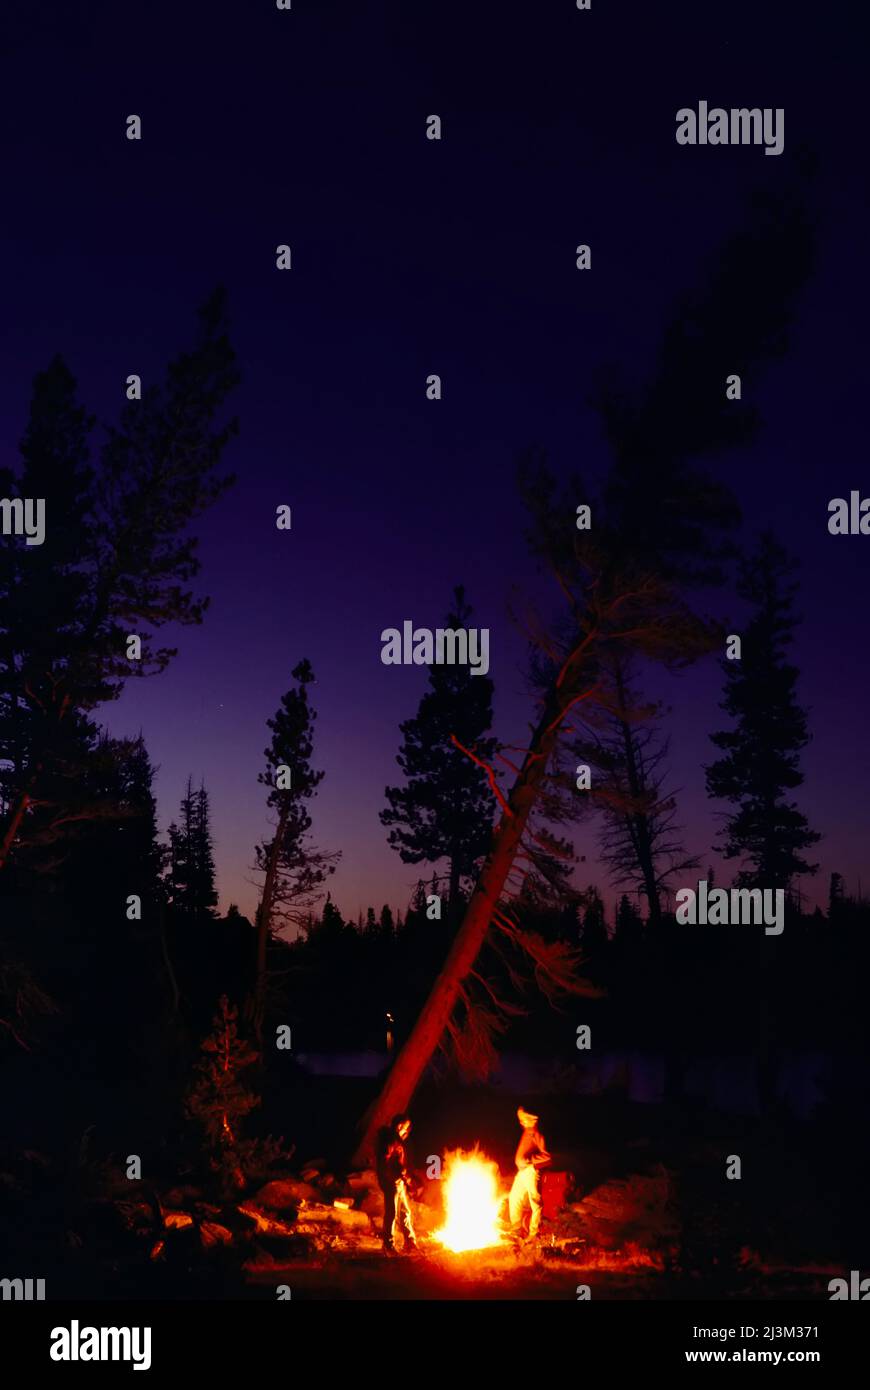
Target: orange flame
(471,1202)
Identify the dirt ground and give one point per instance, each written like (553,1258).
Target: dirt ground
(437,1274)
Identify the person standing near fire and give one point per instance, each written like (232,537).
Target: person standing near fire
(531,1155)
(398,1184)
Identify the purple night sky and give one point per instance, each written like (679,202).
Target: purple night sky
(411,257)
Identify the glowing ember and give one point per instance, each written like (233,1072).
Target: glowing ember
(471,1202)
(176,1220)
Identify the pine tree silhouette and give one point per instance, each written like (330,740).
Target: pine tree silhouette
(219,1099)
(445,809)
(761,762)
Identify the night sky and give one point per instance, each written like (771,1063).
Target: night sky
(410,257)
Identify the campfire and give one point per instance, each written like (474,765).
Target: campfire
(472,1202)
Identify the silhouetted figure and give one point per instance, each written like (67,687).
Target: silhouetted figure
(526,1191)
(397,1183)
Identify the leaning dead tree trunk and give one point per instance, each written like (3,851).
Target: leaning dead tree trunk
(616,604)
(426,1034)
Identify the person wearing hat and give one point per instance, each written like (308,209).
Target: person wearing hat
(397,1183)
(526,1191)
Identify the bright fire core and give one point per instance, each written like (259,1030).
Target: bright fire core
(471,1202)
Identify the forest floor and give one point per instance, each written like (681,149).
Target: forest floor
(622,1240)
(436,1275)
(649,1214)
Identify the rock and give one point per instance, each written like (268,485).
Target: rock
(136,1215)
(284,1192)
(349,1220)
(266,1225)
(316,1171)
(637,1208)
(367,1180)
(313,1168)
(318,1238)
(571,1248)
(369,1244)
(185,1194)
(272,1254)
(176,1220)
(212,1233)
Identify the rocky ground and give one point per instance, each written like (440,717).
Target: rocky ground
(318,1236)
(650,1215)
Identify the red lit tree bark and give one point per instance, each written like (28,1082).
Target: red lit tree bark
(610,608)
(435,1016)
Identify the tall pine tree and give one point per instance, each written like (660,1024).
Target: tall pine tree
(220,1098)
(641,841)
(42,587)
(760,765)
(293,869)
(190,881)
(444,812)
(202,857)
